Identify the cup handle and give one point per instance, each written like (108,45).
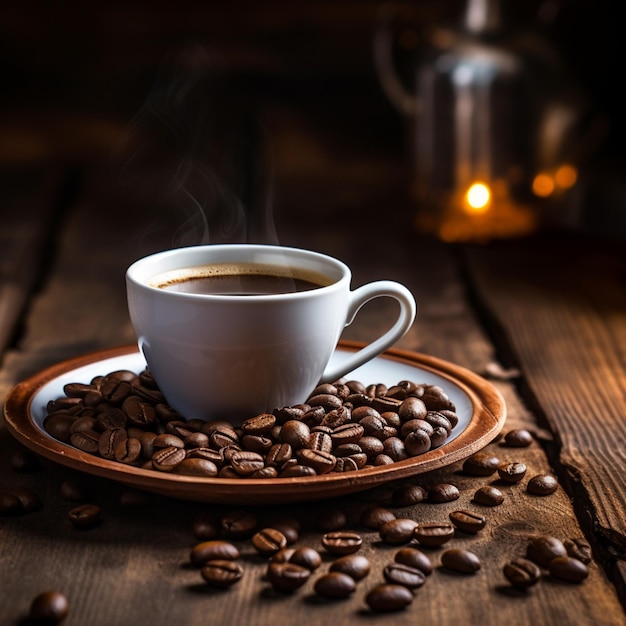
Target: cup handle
(358,297)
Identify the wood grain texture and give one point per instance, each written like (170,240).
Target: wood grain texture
(133,567)
(563,310)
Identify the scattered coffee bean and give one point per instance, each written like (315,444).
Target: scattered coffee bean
(542,485)
(75,490)
(518,438)
(374,517)
(522,573)
(213,550)
(414,558)
(24,461)
(268,541)
(289,526)
(481,464)
(468,521)
(460,561)
(9,504)
(239,524)
(342,542)
(287,577)
(543,549)
(85,516)
(331,520)
(335,585)
(222,574)
(397,531)
(443,492)
(405,575)
(49,607)
(29,499)
(206,526)
(408,495)
(433,535)
(511,472)
(354,565)
(306,557)
(488,496)
(568,569)
(578,548)
(388,597)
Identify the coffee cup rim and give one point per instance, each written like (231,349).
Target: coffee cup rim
(138,273)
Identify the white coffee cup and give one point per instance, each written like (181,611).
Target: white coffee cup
(234,356)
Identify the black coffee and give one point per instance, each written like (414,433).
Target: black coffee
(240,279)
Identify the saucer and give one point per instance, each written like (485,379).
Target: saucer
(479,406)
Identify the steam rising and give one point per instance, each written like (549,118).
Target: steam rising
(197,157)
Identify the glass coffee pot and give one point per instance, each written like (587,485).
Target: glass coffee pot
(494,125)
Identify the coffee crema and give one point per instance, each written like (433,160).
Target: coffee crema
(239,279)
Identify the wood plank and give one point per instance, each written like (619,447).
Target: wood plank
(133,568)
(562,310)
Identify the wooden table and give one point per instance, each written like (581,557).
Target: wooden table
(543,318)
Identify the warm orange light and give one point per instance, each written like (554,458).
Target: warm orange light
(566,176)
(478,198)
(543,185)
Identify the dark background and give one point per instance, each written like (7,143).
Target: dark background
(80,79)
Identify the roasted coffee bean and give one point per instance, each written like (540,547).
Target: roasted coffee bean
(167,440)
(408,495)
(397,531)
(405,575)
(578,548)
(355,386)
(518,438)
(376,391)
(384,404)
(543,549)
(9,504)
(438,420)
(412,408)
(569,569)
(166,459)
(75,489)
(196,467)
(342,542)
(222,438)
(49,607)
(436,399)
(337,417)
(468,521)
(306,557)
(443,492)
(481,464)
(414,425)
(85,440)
(297,471)
(260,425)
(371,446)
(222,574)
(278,454)
(268,541)
(127,450)
(205,526)
(58,426)
(331,520)
(347,433)
(522,573)
(395,448)
(354,565)
(349,464)
(418,442)
(196,440)
(85,516)
(283,555)
(239,524)
(460,561)
(511,472)
(139,412)
(321,462)
(335,585)
(414,558)
(433,535)
(108,440)
(488,496)
(321,441)
(325,400)
(29,499)
(213,550)
(289,526)
(246,463)
(287,577)
(24,461)
(388,597)
(181,428)
(375,516)
(84,424)
(296,434)
(542,485)
(402,390)
(439,437)
(383,459)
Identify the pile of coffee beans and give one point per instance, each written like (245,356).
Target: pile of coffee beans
(341,427)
